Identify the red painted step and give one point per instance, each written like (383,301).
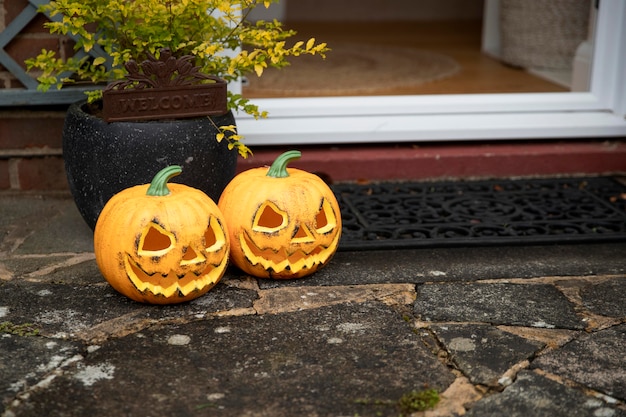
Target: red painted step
(453,160)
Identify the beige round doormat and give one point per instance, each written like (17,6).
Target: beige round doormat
(353,69)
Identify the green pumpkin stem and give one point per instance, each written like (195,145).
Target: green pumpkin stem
(158,186)
(279,167)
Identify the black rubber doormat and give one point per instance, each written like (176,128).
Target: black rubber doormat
(494,212)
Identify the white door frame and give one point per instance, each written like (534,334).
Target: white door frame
(388,119)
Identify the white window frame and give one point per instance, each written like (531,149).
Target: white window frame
(598,113)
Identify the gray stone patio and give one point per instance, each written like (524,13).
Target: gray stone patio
(515,331)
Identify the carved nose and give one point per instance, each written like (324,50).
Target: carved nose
(191,257)
(302,235)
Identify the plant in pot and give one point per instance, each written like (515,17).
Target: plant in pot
(175,44)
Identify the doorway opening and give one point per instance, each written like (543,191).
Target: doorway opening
(406,47)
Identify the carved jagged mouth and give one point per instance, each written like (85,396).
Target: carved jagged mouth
(170,284)
(281,260)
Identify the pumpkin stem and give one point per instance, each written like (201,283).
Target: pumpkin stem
(279,166)
(158,186)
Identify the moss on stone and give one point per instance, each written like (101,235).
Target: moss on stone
(24,329)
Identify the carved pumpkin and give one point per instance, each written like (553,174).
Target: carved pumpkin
(283,222)
(161,243)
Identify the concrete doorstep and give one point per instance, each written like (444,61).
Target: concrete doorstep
(504,331)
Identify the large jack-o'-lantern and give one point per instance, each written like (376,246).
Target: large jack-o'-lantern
(283,222)
(161,243)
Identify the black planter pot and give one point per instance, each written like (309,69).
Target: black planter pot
(102,159)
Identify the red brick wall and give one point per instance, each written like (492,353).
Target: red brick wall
(30,149)
(30,138)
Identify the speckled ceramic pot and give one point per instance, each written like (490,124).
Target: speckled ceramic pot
(102,159)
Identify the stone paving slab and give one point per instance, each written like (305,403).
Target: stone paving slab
(41,224)
(606,297)
(485,353)
(532,305)
(591,360)
(535,395)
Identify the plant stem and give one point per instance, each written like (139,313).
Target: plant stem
(158,186)
(279,167)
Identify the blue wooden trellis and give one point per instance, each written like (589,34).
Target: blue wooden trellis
(30,95)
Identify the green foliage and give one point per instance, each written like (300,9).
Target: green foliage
(205,29)
(25,329)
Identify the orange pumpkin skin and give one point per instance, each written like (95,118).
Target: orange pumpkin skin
(286,227)
(161,249)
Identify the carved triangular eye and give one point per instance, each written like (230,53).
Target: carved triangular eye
(214,237)
(209,237)
(269,218)
(155,241)
(325,220)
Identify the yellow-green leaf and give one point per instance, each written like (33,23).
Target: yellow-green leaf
(258,68)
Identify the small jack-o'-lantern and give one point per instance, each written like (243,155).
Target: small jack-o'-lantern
(161,243)
(283,222)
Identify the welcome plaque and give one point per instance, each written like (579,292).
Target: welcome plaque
(164,88)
